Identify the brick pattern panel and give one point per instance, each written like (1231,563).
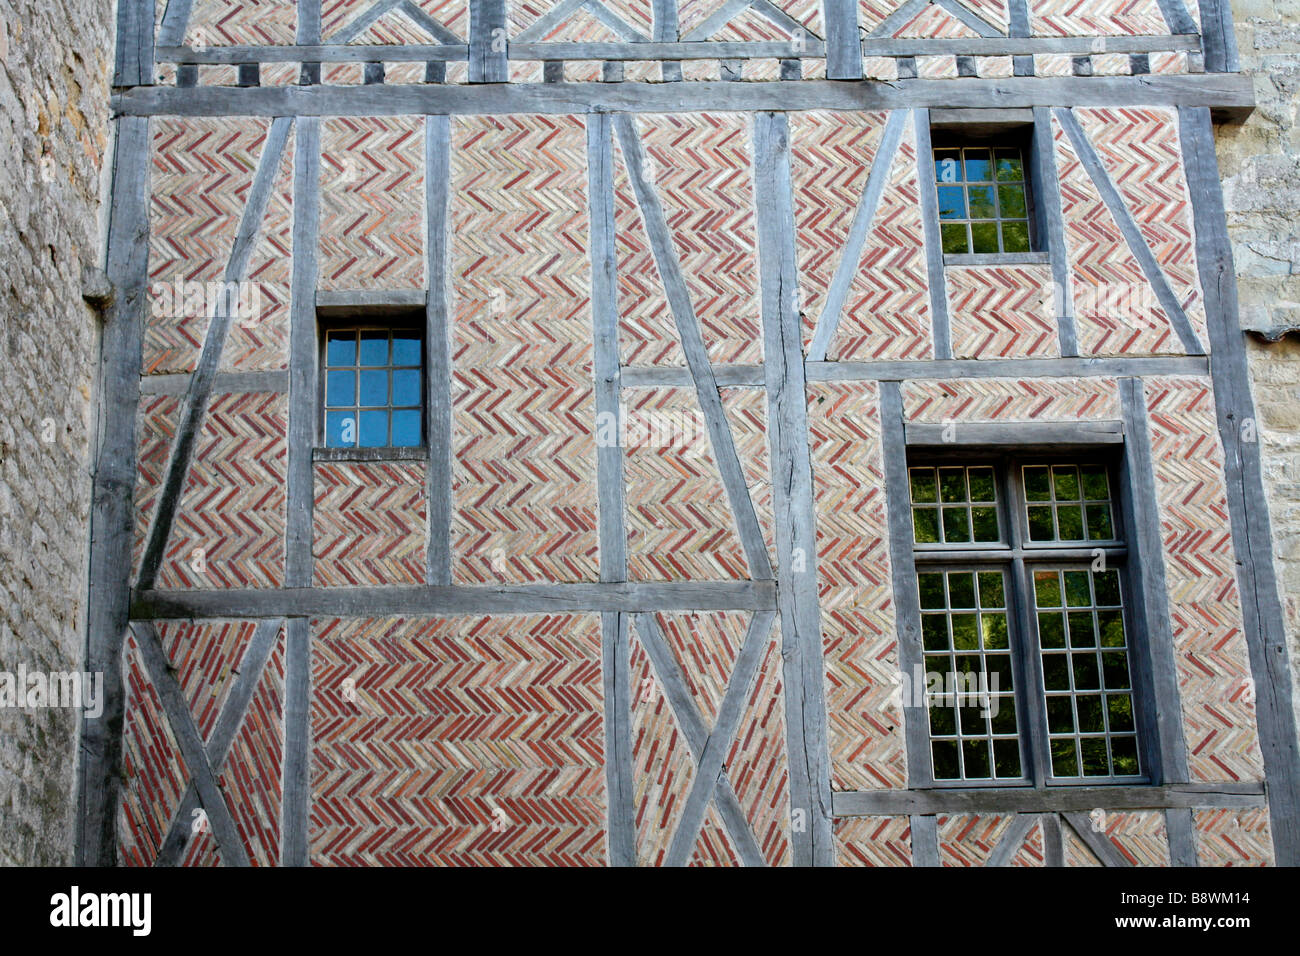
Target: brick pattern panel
(1140,837)
(934,23)
(372,221)
(751,26)
(701,167)
(830,159)
(1233,838)
(395,27)
(155,431)
(229,527)
(202,170)
(1115,306)
(706,646)
(1214,676)
(1031,851)
(1077,853)
(370,523)
(458,742)
(969,839)
(1097,18)
(746,412)
(662,763)
(258,339)
(887,313)
(205,658)
(873,841)
(647,331)
(859,644)
(1142,152)
(154,774)
(680,525)
(254,769)
(713,847)
(1002,312)
(524,477)
(202,850)
(1011,400)
(241,22)
(757,764)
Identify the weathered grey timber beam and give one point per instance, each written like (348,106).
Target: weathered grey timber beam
(488,40)
(1265,625)
(195,407)
(296,803)
(1016,433)
(1230,93)
(133,64)
(1176,15)
(753,375)
(940,324)
(318,53)
(1180,826)
(112,516)
(1052,220)
(1012,840)
(171,32)
(371,454)
(190,743)
(1027,46)
(691,337)
(1052,800)
(713,50)
(843,51)
(846,270)
(548,21)
(970,18)
(792,494)
(179,383)
(1053,840)
(449,601)
(925,841)
(1099,843)
(342,301)
(611,492)
(243,685)
(1219,36)
(437,346)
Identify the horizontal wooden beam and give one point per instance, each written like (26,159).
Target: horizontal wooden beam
(179,383)
(370,454)
(1052,800)
(708,50)
(453,601)
(1017,433)
(1027,46)
(997,258)
(328,53)
(373,301)
(1228,93)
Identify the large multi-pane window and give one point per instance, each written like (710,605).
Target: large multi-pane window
(984,199)
(373,378)
(1026,649)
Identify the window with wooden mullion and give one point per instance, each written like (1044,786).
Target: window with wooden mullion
(1019,574)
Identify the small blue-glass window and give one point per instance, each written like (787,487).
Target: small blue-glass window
(374,387)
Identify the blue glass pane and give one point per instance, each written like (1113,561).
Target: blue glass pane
(374,429)
(952,202)
(406,387)
(374,348)
(406,428)
(979,166)
(341,429)
(406,347)
(947,166)
(341,388)
(374,387)
(341,349)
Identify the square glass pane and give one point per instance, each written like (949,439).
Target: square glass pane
(1082,633)
(1004,721)
(1047,588)
(1115,665)
(1119,707)
(978,166)
(1060,715)
(1056,672)
(1106,584)
(406,347)
(961,589)
(406,428)
(1011,202)
(374,429)
(1124,757)
(406,386)
(1065,483)
(943,719)
(1091,718)
(1040,523)
(1100,527)
(1069,523)
(1111,626)
(1006,758)
(946,765)
(947,165)
(956,240)
(1051,630)
(924,489)
(1095,485)
(1015,237)
(975,759)
(932,592)
(982,486)
(956,525)
(952,485)
(965,632)
(952,202)
(341,429)
(340,349)
(1077,593)
(934,632)
(1038,485)
(983,203)
(374,387)
(1065,758)
(984,523)
(1086,676)
(341,388)
(992,592)
(984,237)
(374,347)
(999,668)
(994,628)
(1011,167)
(925,524)
(1095,762)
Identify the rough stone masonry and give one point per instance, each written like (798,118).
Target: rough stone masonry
(1260,164)
(55,58)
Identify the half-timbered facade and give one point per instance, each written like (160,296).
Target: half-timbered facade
(666,432)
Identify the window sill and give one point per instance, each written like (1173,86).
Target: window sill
(999,259)
(1056,799)
(370,454)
